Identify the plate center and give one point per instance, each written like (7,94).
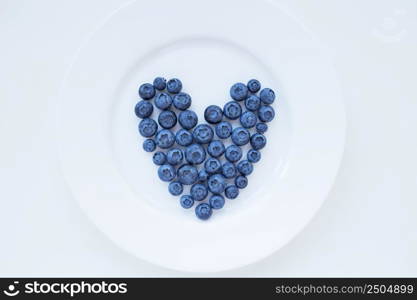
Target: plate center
(207,67)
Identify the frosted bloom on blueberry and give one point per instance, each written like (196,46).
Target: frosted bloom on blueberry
(174,86)
(188,119)
(149,145)
(238,91)
(175,188)
(165,139)
(261,128)
(213,114)
(240,136)
(159,83)
(195,154)
(166,172)
(186,201)
(216,184)
(232,110)
(267,96)
(203,134)
(212,165)
(241,181)
(187,174)
(253,156)
(252,103)
(146,91)
(231,192)
(203,211)
(216,201)
(248,119)
(183,137)
(159,158)
(233,153)
(143,109)
(229,170)
(167,119)
(253,85)
(216,148)
(174,156)
(147,127)
(258,141)
(199,191)
(223,129)
(163,101)
(266,113)
(244,167)
(182,101)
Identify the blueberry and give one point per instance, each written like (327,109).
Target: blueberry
(258,141)
(186,201)
(231,192)
(203,211)
(163,101)
(174,86)
(232,110)
(216,201)
(253,156)
(143,109)
(167,119)
(166,172)
(216,184)
(203,175)
(183,137)
(203,134)
(238,91)
(165,139)
(212,165)
(146,91)
(252,103)
(187,174)
(241,181)
(261,128)
(149,145)
(159,83)
(188,119)
(159,158)
(147,127)
(229,170)
(233,153)
(175,156)
(223,129)
(195,154)
(182,101)
(267,96)
(199,191)
(266,113)
(245,167)
(213,114)
(240,136)
(248,119)
(254,85)
(216,148)
(175,188)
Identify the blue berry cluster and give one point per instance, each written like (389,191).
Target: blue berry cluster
(206,157)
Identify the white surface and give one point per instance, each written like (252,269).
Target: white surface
(368,224)
(116,183)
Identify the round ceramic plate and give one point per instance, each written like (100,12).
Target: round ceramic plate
(209,45)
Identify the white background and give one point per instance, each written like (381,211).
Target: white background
(368,224)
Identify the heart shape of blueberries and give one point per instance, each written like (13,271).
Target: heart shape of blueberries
(194,154)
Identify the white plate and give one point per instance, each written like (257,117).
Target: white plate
(209,45)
